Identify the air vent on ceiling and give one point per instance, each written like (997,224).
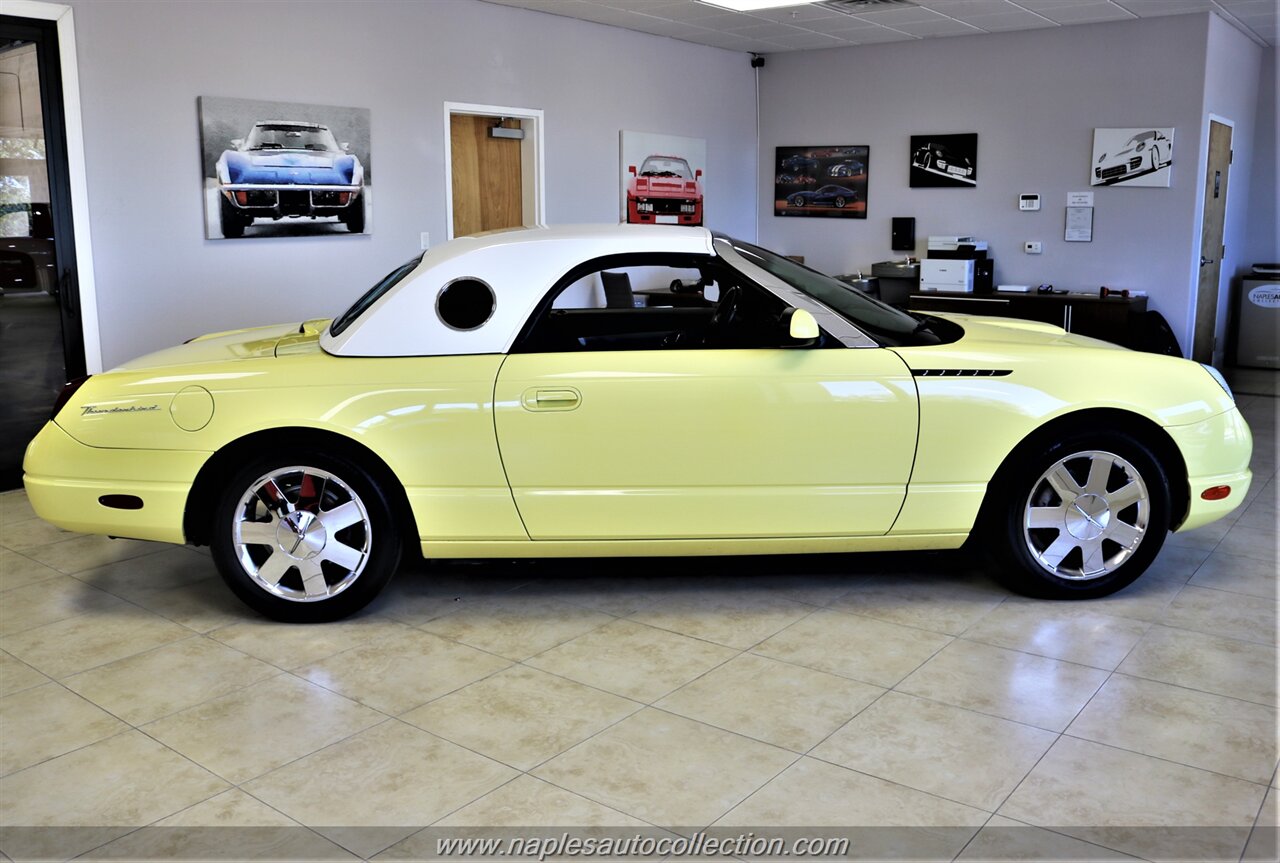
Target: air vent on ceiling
(856,7)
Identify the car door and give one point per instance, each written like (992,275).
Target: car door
(706,443)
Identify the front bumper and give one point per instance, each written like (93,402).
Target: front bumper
(275,200)
(65,479)
(1217,452)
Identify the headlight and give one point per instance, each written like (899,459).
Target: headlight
(1217,376)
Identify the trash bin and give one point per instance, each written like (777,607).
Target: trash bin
(1257,319)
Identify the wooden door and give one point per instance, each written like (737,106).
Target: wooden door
(486,175)
(1211,248)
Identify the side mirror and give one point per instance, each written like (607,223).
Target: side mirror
(802,329)
(632,169)
(697,173)
(237,143)
(345,146)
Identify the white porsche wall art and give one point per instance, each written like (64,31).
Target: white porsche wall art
(1140,156)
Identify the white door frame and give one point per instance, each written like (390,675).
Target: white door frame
(533,193)
(88,297)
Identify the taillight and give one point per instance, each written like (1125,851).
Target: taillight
(343,198)
(68,390)
(242,198)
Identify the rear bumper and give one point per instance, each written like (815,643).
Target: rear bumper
(1217,452)
(65,479)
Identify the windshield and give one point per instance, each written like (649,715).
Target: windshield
(663,166)
(288,136)
(360,306)
(1138,139)
(867,313)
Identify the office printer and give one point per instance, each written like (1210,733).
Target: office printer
(957,264)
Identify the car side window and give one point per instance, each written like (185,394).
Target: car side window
(653,302)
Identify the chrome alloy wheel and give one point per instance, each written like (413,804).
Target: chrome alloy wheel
(301,534)
(1086,515)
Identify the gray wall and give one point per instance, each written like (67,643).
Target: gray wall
(1034,99)
(1233,72)
(142,65)
(1262,237)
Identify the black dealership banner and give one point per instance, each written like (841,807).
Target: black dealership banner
(822,182)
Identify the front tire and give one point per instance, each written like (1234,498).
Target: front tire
(1079,518)
(305,537)
(231,222)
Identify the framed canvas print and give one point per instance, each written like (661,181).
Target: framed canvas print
(944,161)
(662,179)
(1140,156)
(281,169)
(821,182)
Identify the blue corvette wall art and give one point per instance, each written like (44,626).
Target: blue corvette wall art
(827,196)
(289,170)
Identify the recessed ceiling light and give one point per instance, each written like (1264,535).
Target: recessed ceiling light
(753,5)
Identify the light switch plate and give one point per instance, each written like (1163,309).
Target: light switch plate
(1033,247)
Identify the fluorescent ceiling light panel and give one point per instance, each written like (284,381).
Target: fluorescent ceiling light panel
(753,5)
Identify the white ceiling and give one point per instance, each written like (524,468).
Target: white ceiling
(861,22)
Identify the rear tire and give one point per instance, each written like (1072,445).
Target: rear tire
(1079,518)
(305,537)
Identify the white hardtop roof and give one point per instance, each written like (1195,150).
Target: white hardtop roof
(520,266)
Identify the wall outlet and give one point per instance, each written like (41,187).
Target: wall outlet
(1033,247)
(426,241)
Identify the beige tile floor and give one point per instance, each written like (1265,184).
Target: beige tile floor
(907,691)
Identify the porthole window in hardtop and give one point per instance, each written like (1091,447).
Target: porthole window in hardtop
(465,304)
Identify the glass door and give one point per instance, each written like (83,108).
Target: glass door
(41,344)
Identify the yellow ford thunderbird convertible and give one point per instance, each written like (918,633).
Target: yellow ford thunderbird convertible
(637,390)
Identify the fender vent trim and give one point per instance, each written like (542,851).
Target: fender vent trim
(961,373)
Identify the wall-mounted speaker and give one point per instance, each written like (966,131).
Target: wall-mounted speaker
(904,234)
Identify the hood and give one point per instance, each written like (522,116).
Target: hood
(302,167)
(290,159)
(247,344)
(1015,331)
(659,187)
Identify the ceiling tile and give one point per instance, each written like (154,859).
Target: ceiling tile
(873,36)
(808,41)
(1037,5)
(963,9)
(943,27)
(1017,20)
(683,10)
(1154,8)
(796,14)
(894,17)
(763,30)
(1086,13)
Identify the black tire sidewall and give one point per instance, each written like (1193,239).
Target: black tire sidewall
(1020,571)
(384,556)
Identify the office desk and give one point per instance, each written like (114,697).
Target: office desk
(1114,319)
(676,299)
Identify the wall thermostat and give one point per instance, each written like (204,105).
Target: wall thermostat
(1027,203)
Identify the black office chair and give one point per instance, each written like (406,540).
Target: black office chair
(617,291)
